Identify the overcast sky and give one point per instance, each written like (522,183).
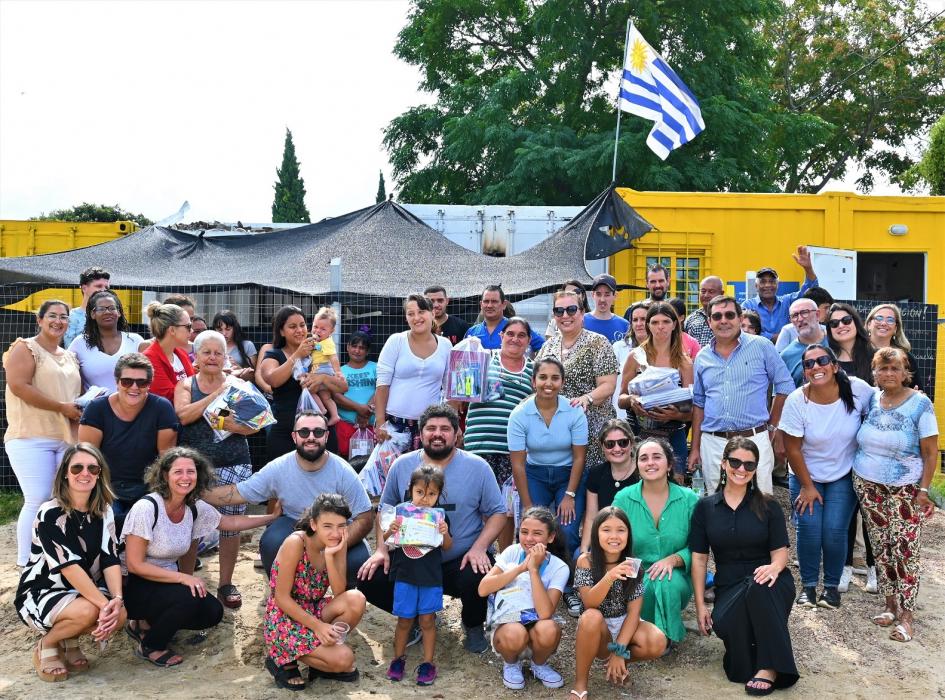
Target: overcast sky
(148,104)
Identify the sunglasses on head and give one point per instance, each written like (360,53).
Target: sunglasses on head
(846,321)
(889,320)
(611,444)
(128,382)
(93,469)
(719,315)
(823,361)
(560,311)
(305,432)
(747,465)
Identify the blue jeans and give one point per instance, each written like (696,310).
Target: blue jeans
(546,487)
(824,531)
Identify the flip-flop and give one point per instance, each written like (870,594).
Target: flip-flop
(142,652)
(884,619)
(760,691)
(579,695)
(900,634)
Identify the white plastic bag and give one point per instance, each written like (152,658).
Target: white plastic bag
(374,474)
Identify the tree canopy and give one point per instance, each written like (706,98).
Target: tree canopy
(792,94)
(930,170)
(94,212)
(288,204)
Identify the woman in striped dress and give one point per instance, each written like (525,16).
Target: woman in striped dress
(487,422)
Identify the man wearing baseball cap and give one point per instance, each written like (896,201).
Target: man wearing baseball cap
(602,319)
(774,309)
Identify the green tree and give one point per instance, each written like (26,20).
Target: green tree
(288,205)
(930,170)
(94,212)
(381,188)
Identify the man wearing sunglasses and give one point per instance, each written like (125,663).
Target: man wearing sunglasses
(730,392)
(772,307)
(296,479)
(803,317)
(492,304)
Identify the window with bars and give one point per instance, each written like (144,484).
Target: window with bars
(686,273)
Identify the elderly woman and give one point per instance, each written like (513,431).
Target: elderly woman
(662,348)
(72,583)
(104,340)
(893,467)
(820,421)
(131,427)
(547,444)
(161,529)
(884,325)
(486,423)
(170,326)
(239,348)
(660,512)
(43,382)
(590,366)
(410,371)
(746,533)
(230,457)
(616,472)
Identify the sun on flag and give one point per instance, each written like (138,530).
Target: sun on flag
(651,89)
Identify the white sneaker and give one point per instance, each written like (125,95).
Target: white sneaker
(845,579)
(547,675)
(512,676)
(871,585)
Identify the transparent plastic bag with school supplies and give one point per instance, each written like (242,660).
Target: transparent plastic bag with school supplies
(244,402)
(419,526)
(513,603)
(653,380)
(374,474)
(468,372)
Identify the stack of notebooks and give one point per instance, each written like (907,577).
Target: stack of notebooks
(681,399)
(659,386)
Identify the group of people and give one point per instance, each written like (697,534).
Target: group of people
(583,488)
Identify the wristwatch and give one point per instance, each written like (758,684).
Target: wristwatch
(571,494)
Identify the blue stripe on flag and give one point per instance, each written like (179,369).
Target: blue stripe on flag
(671,74)
(662,138)
(649,86)
(640,100)
(684,109)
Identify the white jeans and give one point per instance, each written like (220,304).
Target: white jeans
(710,452)
(34,461)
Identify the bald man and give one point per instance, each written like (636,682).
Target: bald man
(803,315)
(697,323)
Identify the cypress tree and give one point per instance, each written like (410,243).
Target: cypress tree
(288,205)
(381,189)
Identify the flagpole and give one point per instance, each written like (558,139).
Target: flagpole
(626,41)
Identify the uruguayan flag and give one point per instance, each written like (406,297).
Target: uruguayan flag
(652,90)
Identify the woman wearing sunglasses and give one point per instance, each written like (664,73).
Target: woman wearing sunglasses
(230,456)
(170,326)
(131,427)
(884,324)
(104,340)
(606,479)
(746,532)
(820,421)
(660,513)
(72,583)
(590,366)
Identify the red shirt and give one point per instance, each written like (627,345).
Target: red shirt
(165,378)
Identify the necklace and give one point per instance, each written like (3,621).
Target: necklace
(887,403)
(617,479)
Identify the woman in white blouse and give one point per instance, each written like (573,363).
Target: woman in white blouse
(104,341)
(410,371)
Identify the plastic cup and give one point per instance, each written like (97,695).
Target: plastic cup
(634,566)
(342,628)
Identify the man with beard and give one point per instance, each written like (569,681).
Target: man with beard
(803,315)
(453,328)
(657,283)
(476,509)
(296,479)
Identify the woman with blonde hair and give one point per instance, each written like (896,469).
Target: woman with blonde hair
(170,326)
(884,325)
(72,583)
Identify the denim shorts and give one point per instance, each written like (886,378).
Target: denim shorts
(411,600)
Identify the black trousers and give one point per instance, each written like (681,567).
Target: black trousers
(168,607)
(752,621)
(851,538)
(458,583)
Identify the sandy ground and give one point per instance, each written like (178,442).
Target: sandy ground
(839,653)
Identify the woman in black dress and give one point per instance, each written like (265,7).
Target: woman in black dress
(754,589)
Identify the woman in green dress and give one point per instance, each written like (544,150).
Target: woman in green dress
(659,511)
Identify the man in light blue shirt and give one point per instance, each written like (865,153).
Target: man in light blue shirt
(730,391)
(809,332)
(492,304)
(773,309)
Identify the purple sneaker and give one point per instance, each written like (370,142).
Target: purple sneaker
(426,673)
(395,671)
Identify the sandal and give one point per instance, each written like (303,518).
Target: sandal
(884,619)
(163,661)
(133,630)
(230,596)
(342,676)
(900,633)
(760,691)
(75,660)
(46,661)
(579,695)
(283,674)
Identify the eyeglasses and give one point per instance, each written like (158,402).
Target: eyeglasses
(727,315)
(803,313)
(736,463)
(105,309)
(835,322)
(188,326)
(823,361)
(890,320)
(57,317)
(305,432)
(512,334)
(560,311)
(611,444)
(127,382)
(93,469)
